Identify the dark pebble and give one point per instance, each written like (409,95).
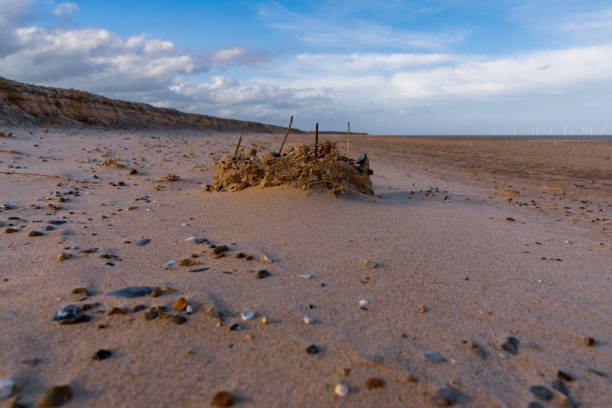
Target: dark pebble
(541,392)
(56,222)
(88,250)
(510,345)
(143,242)
(312,349)
(223,399)
(138,308)
(510,219)
(235,327)
(132,292)
(435,357)
(220,249)
(178,319)
(35,234)
(151,314)
(11,230)
(49,228)
(66,312)
(589,341)
(81,292)
(102,354)
(562,375)
(445,397)
(534,404)
(374,382)
(262,274)
(57,396)
(200,240)
(199,270)
(560,386)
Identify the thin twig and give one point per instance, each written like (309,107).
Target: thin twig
(13,173)
(280,151)
(237,147)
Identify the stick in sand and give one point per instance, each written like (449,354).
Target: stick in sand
(237,147)
(316,139)
(348,154)
(280,151)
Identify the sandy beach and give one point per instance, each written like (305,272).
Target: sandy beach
(462,247)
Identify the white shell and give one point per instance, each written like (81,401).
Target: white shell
(248,315)
(341,390)
(308,320)
(363,303)
(170,263)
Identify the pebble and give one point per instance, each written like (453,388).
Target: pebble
(57,396)
(220,249)
(341,390)
(435,357)
(374,382)
(371,264)
(81,292)
(199,269)
(132,292)
(101,354)
(562,375)
(535,404)
(180,304)
(589,341)
(267,259)
(306,276)
(151,314)
(62,256)
(363,304)
(11,230)
(7,206)
(308,320)
(541,392)
(248,315)
(82,318)
(510,345)
(262,274)
(66,312)
(477,348)
(178,319)
(312,349)
(35,234)
(143,242)
(116,310)
(223,399)
(189,309)
(445,397)
(7,387)
(560,386)
(170,263)
(188,262)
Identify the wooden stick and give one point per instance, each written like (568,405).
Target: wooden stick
(316,139)
(348,154)
(280,151)
(237,147)
(13,173)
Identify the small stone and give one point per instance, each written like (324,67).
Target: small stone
(170,263)
(35,234)
(371,264)
(541,392)
(422,309)
(133,171)
(62,256)
(178,319)
(562,375)
(11,230)
(374,382)
(57,396)
(265,320)
(341,390)
(267,259)
(82,318)
(116,310)
(262,274)
(180,304)
(308,320)
(223,399)
(151,314)
(445,397)
(81,292)
(132,292)
(477,348)
(88,251)
(363,304)
(240,255)
(248,315)
(101,354)
(535,404)
(143,242)
(66,312)
(220,249)
(510,345)
(510,219)
(7,387)
(306,276)
(560,386)
(156,292)
(138,308)
(435,357)
(589,341)
(188,262)
(199,269)
(235,327)
(312,349)
(189,309)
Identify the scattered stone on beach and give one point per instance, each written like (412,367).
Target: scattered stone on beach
(199,269)
(562,375)
(66,312)
(589,341)
(267,259)
(11,230)
(308,320)
(35,234)
(101,354)
(235,327)
(189,309)
(239,255)
(541,392)
(374,382)
(220,249)
(248,315)
(510,345)
(7,387)
(178,319)
(57,396)
(363,304)
(476,348)
(138,308)
(262,274)
(151,314)
(435,357)
(83,292)
(510,219)
(132,292)
(81,318)
(62,256)
(445,397)
(143,242)
(188,262)
(560,386)
(371,264)
(180,304)
(88,251)
(306,276)
(341,390)
(312,349)
(223,399)
(116,310)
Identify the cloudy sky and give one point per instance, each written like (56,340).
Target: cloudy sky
(395,67)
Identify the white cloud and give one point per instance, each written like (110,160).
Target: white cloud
(64,9)
(228,54)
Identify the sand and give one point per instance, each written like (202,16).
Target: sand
(457,261)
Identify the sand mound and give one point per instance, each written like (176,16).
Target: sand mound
(302,166)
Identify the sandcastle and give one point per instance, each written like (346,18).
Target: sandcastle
(319,165)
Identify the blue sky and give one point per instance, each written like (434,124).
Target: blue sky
(403,67)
